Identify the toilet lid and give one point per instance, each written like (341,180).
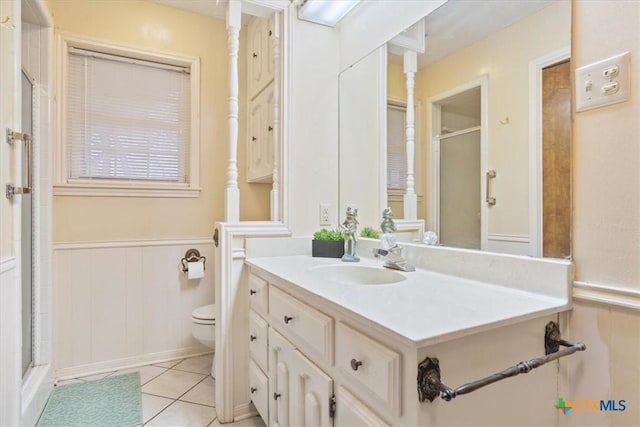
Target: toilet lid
(206,312)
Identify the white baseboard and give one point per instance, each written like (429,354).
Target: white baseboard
(126,363)
(244,411)
(606,294)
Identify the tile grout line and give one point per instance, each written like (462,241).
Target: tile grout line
(178,398)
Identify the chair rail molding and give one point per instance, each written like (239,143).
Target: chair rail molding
(606,294)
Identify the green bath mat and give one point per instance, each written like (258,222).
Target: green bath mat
(109,402)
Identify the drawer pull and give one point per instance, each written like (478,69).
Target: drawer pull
(276,396)
(253,389)
(287,319)
(355,364)
(252,338)
(252,292)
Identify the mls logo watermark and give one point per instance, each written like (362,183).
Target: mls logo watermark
(586,405)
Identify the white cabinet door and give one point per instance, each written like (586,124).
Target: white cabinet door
(312,393)
(351,412)
(260,138)
(281,360)
(300,391)
(260,52)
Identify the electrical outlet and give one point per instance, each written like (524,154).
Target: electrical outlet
(324,214)
(603,83)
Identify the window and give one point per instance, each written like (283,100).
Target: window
(396,147)
(129,124)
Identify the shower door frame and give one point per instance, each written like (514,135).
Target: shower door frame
(37,382)
(433,175)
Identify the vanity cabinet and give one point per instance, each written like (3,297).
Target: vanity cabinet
(260,100)
(358,355)
(292,346)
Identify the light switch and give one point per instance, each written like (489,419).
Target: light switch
(603,83)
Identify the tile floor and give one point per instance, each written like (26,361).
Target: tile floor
(179,393)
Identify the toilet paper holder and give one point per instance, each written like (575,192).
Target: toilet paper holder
(192,255)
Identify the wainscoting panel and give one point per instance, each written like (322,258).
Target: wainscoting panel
(125,303)
(10,344)
(509,244)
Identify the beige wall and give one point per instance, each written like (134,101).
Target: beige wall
(504,57)
(606,153)
(150,26)
(396,82)
(606,228)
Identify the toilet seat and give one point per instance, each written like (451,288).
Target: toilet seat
(204,315)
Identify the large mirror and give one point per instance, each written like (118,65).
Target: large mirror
(491,128)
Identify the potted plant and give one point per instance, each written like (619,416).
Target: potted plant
(327,243)
(370,232)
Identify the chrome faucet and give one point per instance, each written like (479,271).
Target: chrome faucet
(393,258)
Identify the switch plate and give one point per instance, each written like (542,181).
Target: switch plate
(604,82)
(325,218)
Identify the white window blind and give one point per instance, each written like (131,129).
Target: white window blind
(127,119)
(396,148)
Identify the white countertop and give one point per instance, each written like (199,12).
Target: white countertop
(424,309)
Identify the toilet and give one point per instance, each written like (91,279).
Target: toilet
(204,322)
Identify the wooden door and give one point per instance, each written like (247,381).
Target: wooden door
(556,161)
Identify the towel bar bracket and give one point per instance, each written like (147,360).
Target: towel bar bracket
(430,386)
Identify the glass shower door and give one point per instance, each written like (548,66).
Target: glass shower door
(460,207)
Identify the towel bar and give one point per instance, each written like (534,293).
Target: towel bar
(430,386)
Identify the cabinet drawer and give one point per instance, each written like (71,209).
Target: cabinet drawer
(258,340)
(374,368)
(258,293)
(312,330)
(259,390)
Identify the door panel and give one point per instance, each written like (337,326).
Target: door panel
(556,161)
(314,389)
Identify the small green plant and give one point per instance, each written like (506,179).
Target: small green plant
(325,234)
(370,232)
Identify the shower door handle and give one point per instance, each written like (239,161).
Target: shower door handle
(26,138)
(490,175)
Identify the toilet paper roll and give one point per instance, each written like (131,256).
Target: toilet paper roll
(195,270)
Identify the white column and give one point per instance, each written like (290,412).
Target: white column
(277,69)
(232,194)
(410,197)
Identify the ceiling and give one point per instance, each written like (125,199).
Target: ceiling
(459,23)
(454,25)
(214,8)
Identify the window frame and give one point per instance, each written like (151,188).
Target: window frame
(65,186)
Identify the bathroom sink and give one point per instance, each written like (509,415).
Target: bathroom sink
(351,274)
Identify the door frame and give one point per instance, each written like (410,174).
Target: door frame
(535,144)
(433,161)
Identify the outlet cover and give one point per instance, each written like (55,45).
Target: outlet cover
(603,83)
(325,217)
